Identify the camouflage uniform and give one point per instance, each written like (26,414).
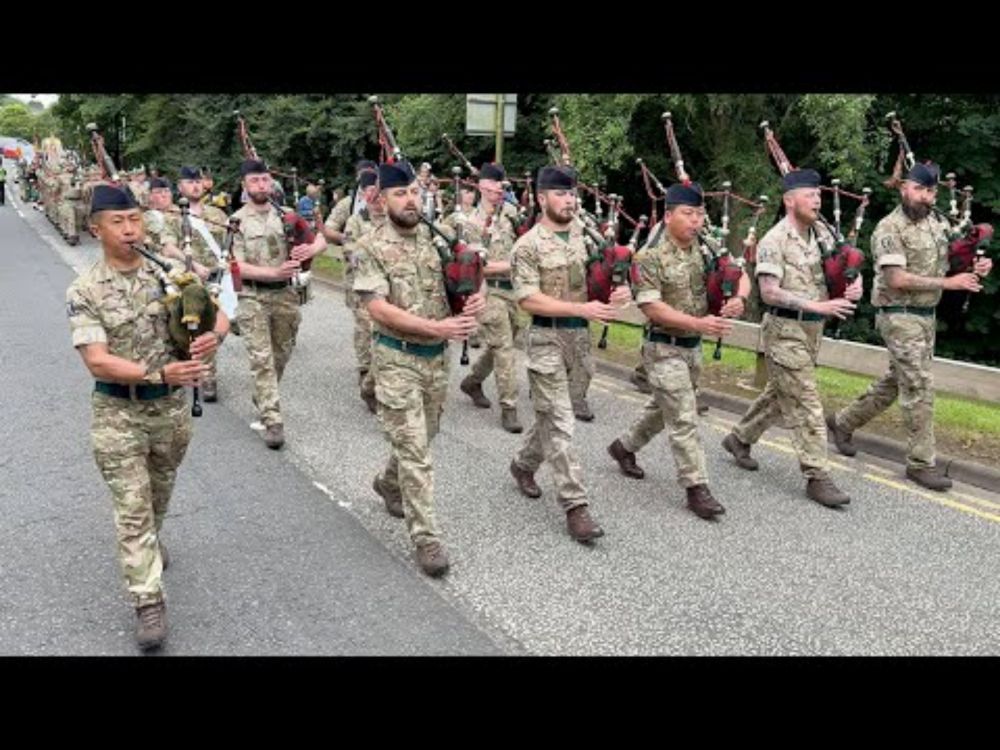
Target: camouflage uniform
(675,276)
(543,262)
(357,226)
(499,322)
(69,195)
(172,232)
(268,316)
(791,347)
(922,249)
(410,387)
(138,445)
(338,217)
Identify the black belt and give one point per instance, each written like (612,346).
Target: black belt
(421,350)
(500,284)
(784,312)
(141,392)
(927,312)
(687,342)
(546,322)
(267,284)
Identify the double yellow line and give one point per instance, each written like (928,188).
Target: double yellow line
(991,512)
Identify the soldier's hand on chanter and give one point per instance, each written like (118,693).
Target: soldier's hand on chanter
(620,296)
(854,290)
(455,328)
(301,253)
(186,373)
(733,308)
(286,270)
(201,270)
(966,282)
(474,305)
(712,325)
(597,310)
(839,308)
(205,345)
(983,266)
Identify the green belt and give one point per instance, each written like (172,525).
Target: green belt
(500,284)
(421,350)
(687,342)
(927,312)
(783,312)
(142,392)
(546,322)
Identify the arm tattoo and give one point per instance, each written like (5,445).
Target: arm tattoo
(772,294)
(900,279)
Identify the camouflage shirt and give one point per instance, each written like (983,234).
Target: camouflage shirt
(670,274)
(123,310)
(495,233)
(921,247)
(338,217)
(543,262)
(215,223)
(261,239)
(357,226)
(798,264)
(406,271)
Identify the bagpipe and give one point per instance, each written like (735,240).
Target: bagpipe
(609,264)
(461,266)
(968,242)
(191,305)
(842,261)
(723,271)
(296,230)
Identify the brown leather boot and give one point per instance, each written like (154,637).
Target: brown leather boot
(274,436)
(474,391)
(508,420)
(525,481)
(701,502)
(741,452)
(825,492)
(626,460)
(433,559)
(581,526)
(841,438)
(393,499)
(640,382)
(370,401)
(930,478)
(582,412)
(151,626)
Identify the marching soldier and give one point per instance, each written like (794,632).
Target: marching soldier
(910,247)
(357,227)
(400,281)
(793,286)
(333,227)
(208,225)
(69,195)
(161,204)
(141,419)
(492,224)
(268,310)
(549,275)
(672,294)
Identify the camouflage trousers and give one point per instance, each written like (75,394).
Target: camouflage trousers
(67,219)
(672,373)
(910,342)
(362,341)
(791,348)
(138,446)
(498,327)
(553,353)
(581,371)
(268,325)
(411,391)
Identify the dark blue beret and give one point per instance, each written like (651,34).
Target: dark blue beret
(800,178)
(368,177)
(111,198)
(685,195)
(492,171)
(159,182)
(556,178)
(190,173)
(252,166)
(395,175)
(365,164)
(925,174)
